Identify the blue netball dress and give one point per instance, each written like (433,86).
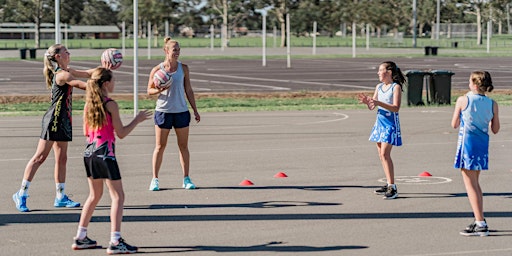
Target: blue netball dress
(387,125)
(473,142)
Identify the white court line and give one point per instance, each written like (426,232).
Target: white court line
(476,252)
(287,81)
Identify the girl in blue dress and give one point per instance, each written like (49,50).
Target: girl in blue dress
(386,131)
(474,115)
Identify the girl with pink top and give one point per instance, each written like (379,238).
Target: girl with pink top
(101,122)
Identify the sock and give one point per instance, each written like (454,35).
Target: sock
(60,190)
(480,223)
(81,233)
(114,237)
(24,188)
(392,185)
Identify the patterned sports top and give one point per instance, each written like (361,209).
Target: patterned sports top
(56,124)
(103,138)
(386,96)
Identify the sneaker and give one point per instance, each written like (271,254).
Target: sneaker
(121,248)
(85,243)
(391,193)
(381,190)
(475,230)
(187,183)
(20,201)
(154,185)
(65,202)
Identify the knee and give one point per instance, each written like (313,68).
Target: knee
(159,148)
(39,159)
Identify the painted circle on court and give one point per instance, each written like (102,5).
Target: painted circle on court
(419,180)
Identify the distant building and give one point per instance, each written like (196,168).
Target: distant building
(47,31)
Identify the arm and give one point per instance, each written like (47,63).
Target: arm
(120,129)
(80,73)
(495,121)
(459,106)
(397,100)
(190,93)
(84,120)
(152,90)
(64,77)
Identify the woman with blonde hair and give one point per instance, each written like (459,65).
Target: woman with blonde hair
(172,111)
(56,125)
(102,122)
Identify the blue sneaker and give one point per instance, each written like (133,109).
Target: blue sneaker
(187,183)
(65,202)
(20,201)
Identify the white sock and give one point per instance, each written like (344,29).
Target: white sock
(81,233)
(480,223)
(114,237)
(59,188)
(24,188)
(392,185)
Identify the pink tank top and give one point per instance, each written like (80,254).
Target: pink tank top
(103,135)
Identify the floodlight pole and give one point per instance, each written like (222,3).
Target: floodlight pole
(264,41)
(414,21)
(57,21)
(288,51)
(314,37)
(135,57)
(438,18)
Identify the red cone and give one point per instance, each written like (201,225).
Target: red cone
(425,174)
(246,183)
(280,175)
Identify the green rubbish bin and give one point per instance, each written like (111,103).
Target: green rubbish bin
(23,53)
(414,88)
(441,86)
(32,53)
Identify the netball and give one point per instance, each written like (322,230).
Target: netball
(112,56)
(161,79)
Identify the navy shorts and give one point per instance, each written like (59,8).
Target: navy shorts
(169,120)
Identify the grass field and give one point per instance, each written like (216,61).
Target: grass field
(231,102)
(496,42)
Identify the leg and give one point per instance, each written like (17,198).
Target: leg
(182,137)
(115,188)
(474,191)
(95,193)
(158,153)
(42,151)
(60,149)
(384,150)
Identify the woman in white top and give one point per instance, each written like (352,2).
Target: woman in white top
(172,111)
(386,131)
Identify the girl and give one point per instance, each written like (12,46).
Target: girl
(101,120)
(56,126)
(172,111)
(475,113)
(386,131)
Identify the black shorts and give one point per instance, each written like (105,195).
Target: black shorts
(169,120)
(100,166)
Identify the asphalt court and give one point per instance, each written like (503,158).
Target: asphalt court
(221,76)
(326,205)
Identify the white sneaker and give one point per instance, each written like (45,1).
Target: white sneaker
(154,185)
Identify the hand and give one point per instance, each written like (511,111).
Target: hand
(197,117)
(143,115)
(106,64)
(365,99)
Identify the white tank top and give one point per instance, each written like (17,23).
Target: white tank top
(173,100)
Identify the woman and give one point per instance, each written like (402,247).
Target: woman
(101,120)
(172,111)
(386,131)
(56,126)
